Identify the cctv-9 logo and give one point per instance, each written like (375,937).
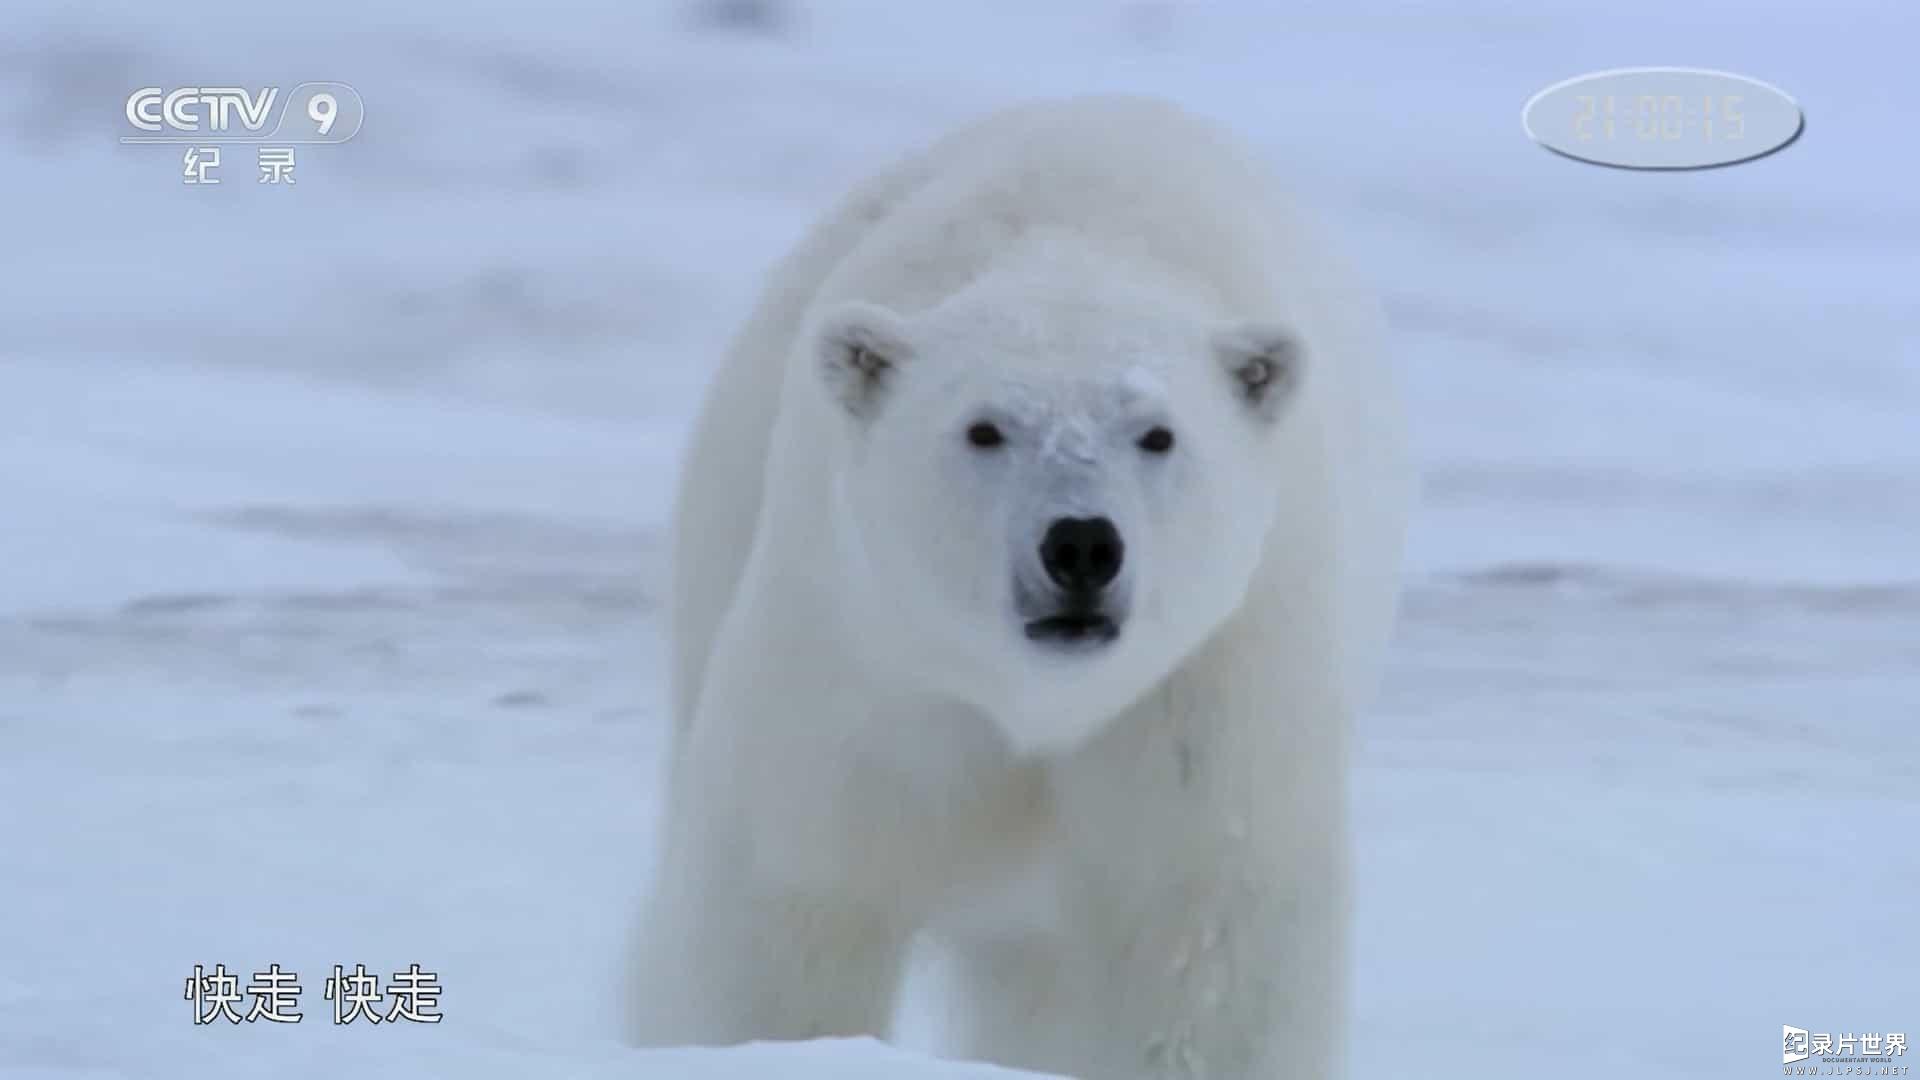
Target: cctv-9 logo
(313,112)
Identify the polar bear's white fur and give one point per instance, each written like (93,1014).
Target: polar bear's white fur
(1104,761)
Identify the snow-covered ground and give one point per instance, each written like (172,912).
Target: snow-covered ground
(330,516)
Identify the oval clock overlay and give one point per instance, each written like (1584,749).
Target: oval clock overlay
(1662,118)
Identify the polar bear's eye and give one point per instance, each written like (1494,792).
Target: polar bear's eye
(1157,441)
(985,435)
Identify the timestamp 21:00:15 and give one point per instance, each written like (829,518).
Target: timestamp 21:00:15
(1659,116)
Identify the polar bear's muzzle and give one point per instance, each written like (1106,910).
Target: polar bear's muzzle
(1081,557)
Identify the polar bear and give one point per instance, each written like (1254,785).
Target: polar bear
(1036,545)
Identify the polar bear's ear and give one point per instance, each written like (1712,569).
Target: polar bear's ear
(860,350)
(1265,363)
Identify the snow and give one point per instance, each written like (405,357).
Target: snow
(331,528)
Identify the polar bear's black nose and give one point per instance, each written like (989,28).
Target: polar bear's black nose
(1082,554)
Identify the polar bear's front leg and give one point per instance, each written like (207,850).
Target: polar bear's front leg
(1211,981)
(756,928)
(1208,886)
(723,958)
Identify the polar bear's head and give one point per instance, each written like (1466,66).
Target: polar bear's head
(1044,507)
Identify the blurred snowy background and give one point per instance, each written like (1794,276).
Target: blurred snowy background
(330,515)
